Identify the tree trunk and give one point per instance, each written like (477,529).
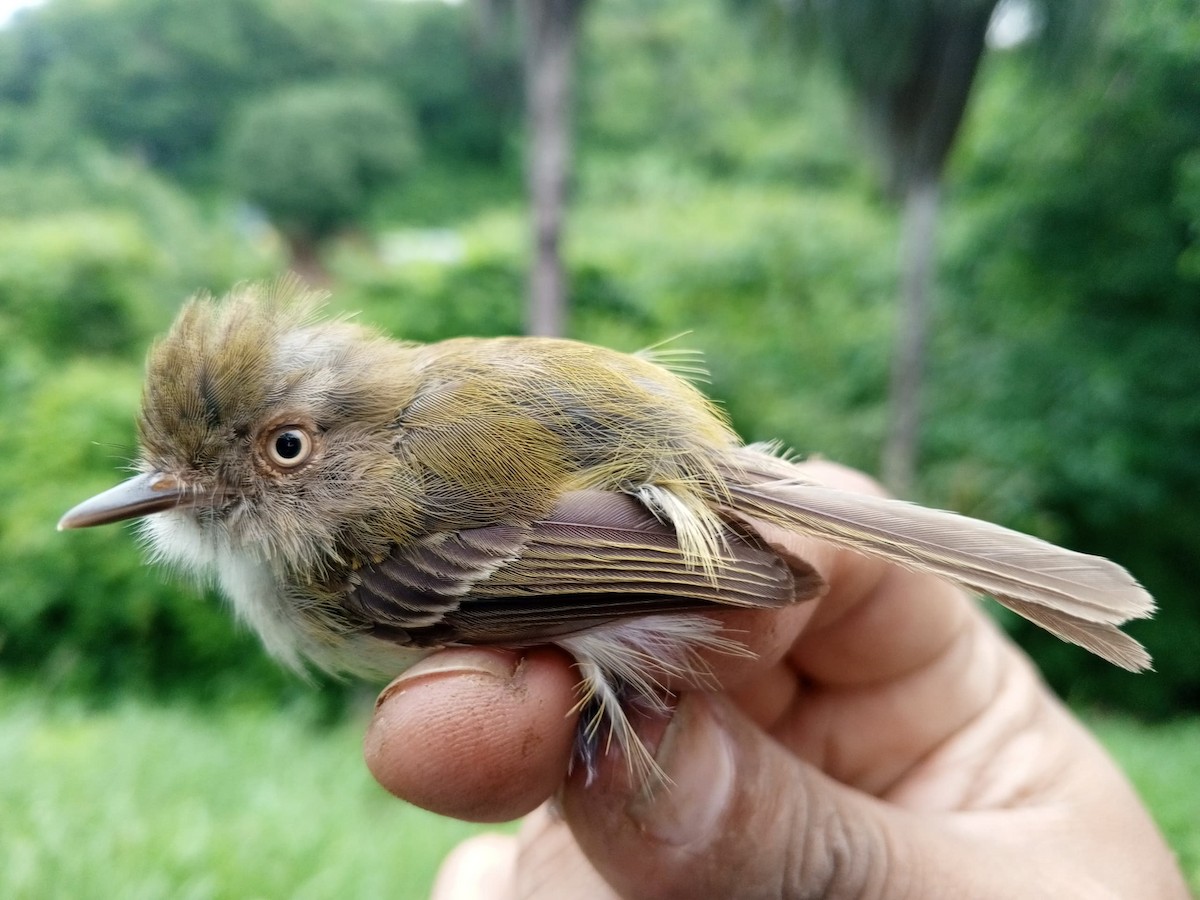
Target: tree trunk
(918,230)
(551,28)
(305,252)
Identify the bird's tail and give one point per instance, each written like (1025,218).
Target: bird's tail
(1081,599)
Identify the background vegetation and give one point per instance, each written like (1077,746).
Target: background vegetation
(721,188)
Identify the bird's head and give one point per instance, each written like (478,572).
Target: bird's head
(259,427)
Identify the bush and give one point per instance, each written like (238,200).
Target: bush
(77,282)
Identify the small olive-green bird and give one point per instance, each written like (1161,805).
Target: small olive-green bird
(363,501)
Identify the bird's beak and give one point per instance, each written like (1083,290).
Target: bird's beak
(139,496)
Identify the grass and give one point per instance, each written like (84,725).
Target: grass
(150,801)
(1163,762)
(143,801)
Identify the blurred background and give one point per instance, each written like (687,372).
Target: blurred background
(956,244)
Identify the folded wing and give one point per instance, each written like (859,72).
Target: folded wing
(596,558)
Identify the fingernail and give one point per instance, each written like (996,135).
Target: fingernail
(500,665)
(696,756)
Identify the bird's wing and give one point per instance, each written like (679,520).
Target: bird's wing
(595,558)
(1081,599)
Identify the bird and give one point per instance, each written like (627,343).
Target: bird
(363,501)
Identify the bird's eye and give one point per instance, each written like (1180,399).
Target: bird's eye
(289,446)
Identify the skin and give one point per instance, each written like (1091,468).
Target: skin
(888,741)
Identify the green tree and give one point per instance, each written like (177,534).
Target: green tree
(1068,368)
(313,155)
(162,80)
(461,72)
(911,67)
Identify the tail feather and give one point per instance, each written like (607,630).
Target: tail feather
(1079,598)
(1105,640)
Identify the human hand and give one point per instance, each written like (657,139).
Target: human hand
(886,741)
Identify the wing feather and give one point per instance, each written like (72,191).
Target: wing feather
(596,557)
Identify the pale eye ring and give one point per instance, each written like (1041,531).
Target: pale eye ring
(289,446)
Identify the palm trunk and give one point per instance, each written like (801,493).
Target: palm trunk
(918,231)
(551,28)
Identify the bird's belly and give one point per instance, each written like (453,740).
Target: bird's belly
(293,634)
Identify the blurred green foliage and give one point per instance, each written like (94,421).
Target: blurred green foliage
(164,79)
(327,93)
(721,191)
(146,800)
(312,155)
(1068,349)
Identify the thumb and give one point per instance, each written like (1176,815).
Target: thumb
(743,817)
